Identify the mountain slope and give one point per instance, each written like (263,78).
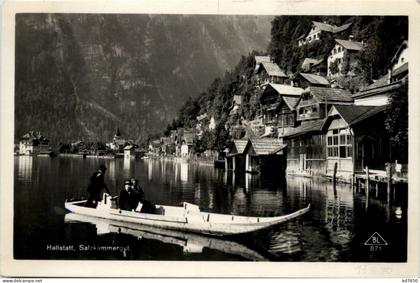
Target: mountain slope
(81,76)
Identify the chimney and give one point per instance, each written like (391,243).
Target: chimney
(351,37)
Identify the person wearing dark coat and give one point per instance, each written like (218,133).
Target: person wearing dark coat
(97,184)
(124,198)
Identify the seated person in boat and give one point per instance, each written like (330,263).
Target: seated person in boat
(124,198)
(97,184)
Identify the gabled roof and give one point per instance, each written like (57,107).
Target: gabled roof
(324,26)
(379,89)
(315,79)
(403,46)
(290,101)
(260,59)
(311,61)
(128,147)
(353,114)
(306,128)
(341,28)
(350,44)
(330,95)
(239,145)
(286,89)
(272,69)
(267,146)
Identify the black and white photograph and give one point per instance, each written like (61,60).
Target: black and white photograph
(211,138)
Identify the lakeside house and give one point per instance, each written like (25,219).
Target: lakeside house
(343,57)
(315,102)
(118,142)
(265,155)
(235,158)
(187,143)
(33,143)
(378,92)
(355,138)
(317,29)
(278,103)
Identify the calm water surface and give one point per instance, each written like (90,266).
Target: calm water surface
(336,228)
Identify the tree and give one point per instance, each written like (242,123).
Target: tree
(396,123)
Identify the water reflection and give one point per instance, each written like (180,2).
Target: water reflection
(191,243)
(25,168)
(340,219)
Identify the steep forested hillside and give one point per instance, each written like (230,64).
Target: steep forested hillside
(81,76)
(383,36)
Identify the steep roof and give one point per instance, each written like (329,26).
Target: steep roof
(267,146)
(290,101)
(308,127)
(240,145)
(260,59)
(341,28)
(350,44)
(324,26)
(353,114)
(326,94)
(315,79)
(273,69)
(286,89)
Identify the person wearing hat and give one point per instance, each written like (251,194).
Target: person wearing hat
(97,184)
(124,198)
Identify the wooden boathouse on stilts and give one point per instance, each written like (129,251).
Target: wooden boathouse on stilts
(268,155)
(235,159)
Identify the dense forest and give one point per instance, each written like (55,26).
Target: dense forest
(80,76)
(383,36)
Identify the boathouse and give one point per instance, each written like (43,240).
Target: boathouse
(129,151)
(355,138)
(306,149)
(268,155)
(235,158)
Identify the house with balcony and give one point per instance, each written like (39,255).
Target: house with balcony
(278,103)
(377,93)
(269,72)
(343,57)
(315,102)
(315,66)
(318,28)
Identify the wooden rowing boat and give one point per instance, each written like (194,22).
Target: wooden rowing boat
(191,243)
(186,218)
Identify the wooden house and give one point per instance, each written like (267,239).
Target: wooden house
(304,80)
(278,104)
(344,56)
(265,155)
(306,148)
(269,72)
(355,138)
(260,59)
(377,93)
(235,158)
(316,30)
(315,102)
(314,66)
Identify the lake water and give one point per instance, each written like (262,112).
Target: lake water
(336,228)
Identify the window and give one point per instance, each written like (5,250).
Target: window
(402,59)
(339,143)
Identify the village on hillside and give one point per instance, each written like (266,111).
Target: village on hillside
(307,123)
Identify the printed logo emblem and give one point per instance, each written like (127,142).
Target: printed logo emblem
(376,240)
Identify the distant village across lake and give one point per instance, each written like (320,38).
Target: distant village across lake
(307,123)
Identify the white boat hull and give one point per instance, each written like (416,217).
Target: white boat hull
(186,218)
